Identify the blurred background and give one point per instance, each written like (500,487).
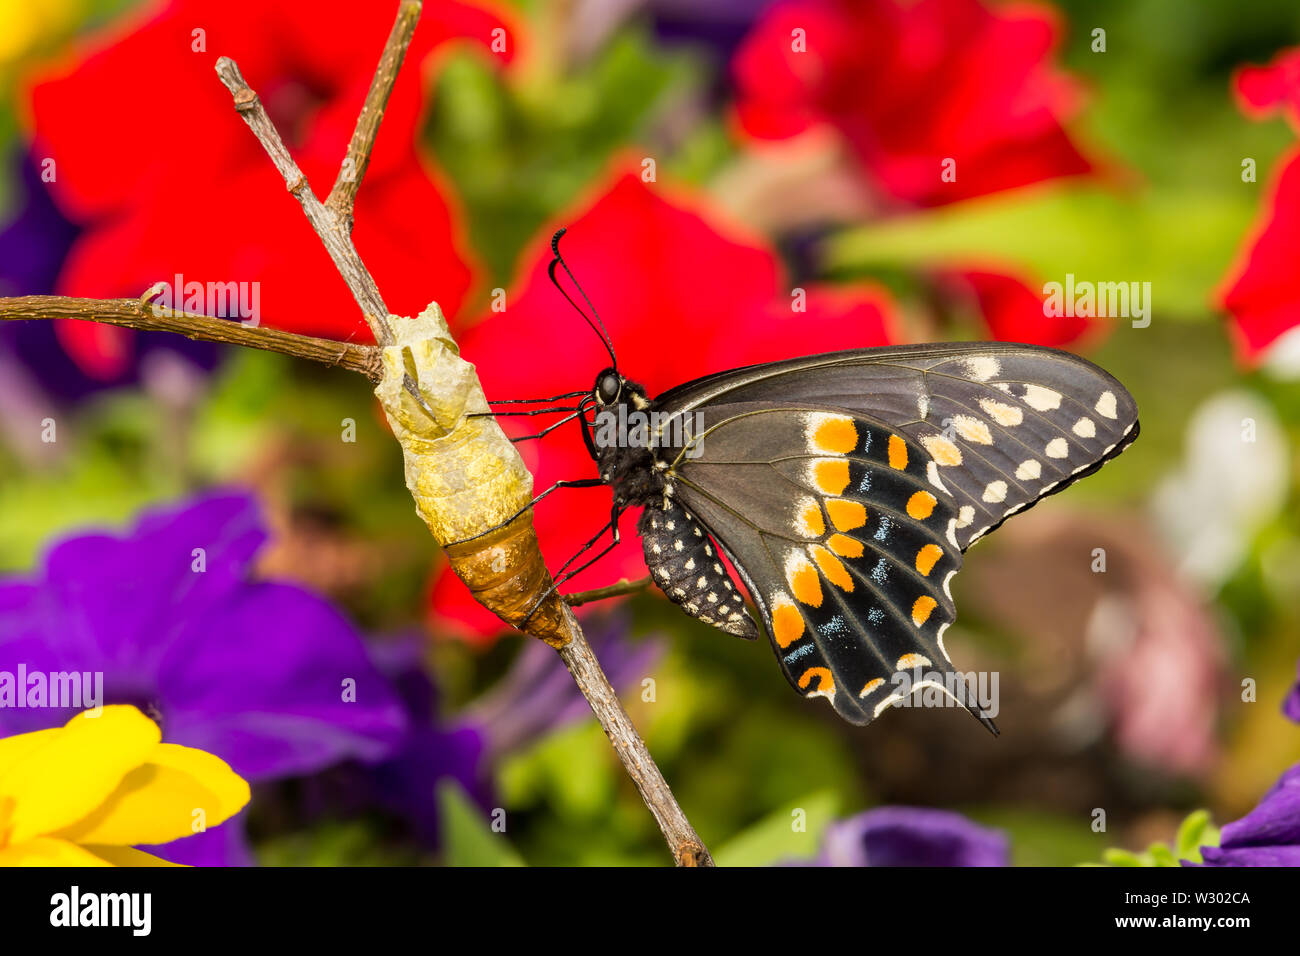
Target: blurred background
(743,181)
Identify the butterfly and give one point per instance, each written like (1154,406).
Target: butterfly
(844,490)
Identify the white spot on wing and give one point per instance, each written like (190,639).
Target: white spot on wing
(972,429)
(981,368)
(942,450)
(1029,470)
(1106,405)
(1003,414)
(995,491)
(1085,428)
(1057,448)
(932,472)
(1042,399)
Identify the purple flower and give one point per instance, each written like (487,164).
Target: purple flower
(267,676)
(912,836)
(536,696)
(1267,836)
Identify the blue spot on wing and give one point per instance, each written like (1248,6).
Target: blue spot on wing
(797,653)
(882,531)
(881,571)
(834,627)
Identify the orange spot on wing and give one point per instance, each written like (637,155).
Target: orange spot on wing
(787,625)
(831,476)
(870,685)
(897,452)
(928,557)
(846,515)
(837,435)
(812,520)
(921,505)
(835,572)
(825,682)
(807,586)
(909,661)
(845,546)
(922,608)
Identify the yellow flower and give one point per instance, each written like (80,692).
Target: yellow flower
(24,24)
(83,793)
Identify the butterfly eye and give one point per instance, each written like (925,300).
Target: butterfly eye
(608,387)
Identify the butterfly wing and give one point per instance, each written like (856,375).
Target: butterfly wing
(840,535)
(1004,424)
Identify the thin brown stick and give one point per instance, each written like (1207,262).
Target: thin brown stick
(344,194)
(138,314)
(687,847)
(617,589)
(332,231)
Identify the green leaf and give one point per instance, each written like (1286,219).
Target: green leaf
(1196,831)
(1117,857)
(1161,855)
(774,838)
(1179,241)
(468,839)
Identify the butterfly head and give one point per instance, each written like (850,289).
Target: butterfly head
(612,389)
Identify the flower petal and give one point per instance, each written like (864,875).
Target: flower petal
(158,801)
(46,851)
(71,773)
(127,856)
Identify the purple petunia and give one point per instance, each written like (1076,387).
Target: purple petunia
(265,675)
(912,836)
(535,696)
(1267,836)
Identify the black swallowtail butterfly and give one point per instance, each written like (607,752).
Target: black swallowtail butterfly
(844,490)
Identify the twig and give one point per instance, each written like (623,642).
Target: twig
(331,229)
(344,194)
(617,589)
(138,314)
(334,228)
(688,849)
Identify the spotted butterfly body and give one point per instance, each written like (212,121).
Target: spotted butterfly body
(844,490)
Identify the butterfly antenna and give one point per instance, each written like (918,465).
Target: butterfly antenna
(597,326)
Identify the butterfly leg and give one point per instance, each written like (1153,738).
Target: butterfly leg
(573,483)
(561,576)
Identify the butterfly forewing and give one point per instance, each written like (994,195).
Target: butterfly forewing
(841,534)
(1004,424)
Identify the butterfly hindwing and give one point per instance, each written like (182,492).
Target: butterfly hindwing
(843,536)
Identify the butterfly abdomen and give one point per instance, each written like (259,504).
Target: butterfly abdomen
(685,564)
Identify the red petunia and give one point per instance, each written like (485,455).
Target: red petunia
(1261,290)
(912,85)
(1262,90)
(1014,312)
(683,294)
(153,160)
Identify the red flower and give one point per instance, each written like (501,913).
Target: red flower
(1263,90)
(911,85)
(683,294)
(1014,311)
(153,159)
(1261,290)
